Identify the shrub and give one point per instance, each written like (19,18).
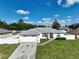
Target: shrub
(61,38)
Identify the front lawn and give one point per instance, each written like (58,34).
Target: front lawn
(6,50)
(43,40)
(59,49)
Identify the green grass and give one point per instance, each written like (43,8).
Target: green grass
(43,40)
(59,49)
(6,50)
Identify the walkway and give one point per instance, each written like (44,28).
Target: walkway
(25,51)
(45,42)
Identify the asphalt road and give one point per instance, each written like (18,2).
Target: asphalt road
(25,51)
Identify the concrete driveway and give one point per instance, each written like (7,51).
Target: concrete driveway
(25,51)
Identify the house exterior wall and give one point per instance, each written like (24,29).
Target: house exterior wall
(68,36)
(27,39)
(41,36)
(19,39)
(55,35)
(77,36)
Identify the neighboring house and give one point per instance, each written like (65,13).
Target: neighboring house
(46,33)
(75,32)
(5,33)
(64,28)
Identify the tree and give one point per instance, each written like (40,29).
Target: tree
(56,24)
(3,24)
(13,26)
(21,21)
(74,26)
(40,26)
(21,24)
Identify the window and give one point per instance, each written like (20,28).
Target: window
(45,35)
(58,35)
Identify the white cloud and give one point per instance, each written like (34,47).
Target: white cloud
(22,12)
(63,21)
(30,22)
(69,17)
(48,22)
(39,22)
(69,20)
(13,21)
(56,15)
(48,4)
(25,18)
(46,19)
(68,3)
(59,2)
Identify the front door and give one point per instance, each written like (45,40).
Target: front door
(51,35)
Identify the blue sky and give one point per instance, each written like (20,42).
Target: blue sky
(40,11)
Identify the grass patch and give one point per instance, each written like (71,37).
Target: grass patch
(6,50)
(43,40)
(59,49)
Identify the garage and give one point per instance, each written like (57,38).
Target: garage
(29,36)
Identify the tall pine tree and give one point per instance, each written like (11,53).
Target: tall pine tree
(56,24)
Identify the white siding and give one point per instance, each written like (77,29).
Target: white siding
(19,39)
(27,39)
(38,38)
(67,36)
(55,35)
(77,36)
(41,37)
(70,37)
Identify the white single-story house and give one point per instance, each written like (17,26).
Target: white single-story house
(33,35)
(46,33)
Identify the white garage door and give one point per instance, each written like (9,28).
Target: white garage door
(28,39)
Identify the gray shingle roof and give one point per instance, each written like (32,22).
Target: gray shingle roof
(30,32)
(48,30)
(2,31)
(75,32)
(37,31)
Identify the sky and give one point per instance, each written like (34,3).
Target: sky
(40,11)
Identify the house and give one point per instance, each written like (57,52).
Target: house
(64,29)
(46,33)
(5,33)
(75,32)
